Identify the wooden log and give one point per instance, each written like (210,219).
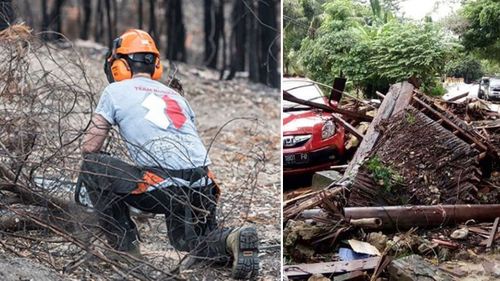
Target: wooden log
(405,217)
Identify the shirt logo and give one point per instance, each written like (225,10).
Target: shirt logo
(163,110)
(174,112)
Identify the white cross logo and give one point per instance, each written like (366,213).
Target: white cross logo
(156,113)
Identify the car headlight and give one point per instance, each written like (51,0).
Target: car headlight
(292,141)
(328,129)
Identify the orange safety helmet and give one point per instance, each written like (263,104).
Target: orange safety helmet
(131,42)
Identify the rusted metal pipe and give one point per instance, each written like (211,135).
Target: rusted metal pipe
(404,217)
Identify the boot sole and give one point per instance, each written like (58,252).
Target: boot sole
(247,264)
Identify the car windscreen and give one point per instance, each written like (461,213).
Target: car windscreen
(304,90)
(494,83)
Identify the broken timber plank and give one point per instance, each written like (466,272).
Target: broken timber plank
(493,233)
(329,268)
(454,127)
(397,99)
(311,201)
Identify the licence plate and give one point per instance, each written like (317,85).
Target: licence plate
(298,158)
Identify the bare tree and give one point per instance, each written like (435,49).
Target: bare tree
(270,43)
(139,12)
(176,32)
(238,38)
(109,22)
(87,15)
(214,30)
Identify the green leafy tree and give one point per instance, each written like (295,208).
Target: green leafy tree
(482,33)
(465,66)
(356,42)
(300,20)
(405,50)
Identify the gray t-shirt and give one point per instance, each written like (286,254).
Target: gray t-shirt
(156,123)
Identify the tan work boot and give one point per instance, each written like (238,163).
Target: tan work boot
(243,244)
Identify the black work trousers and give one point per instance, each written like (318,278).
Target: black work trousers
(190,212)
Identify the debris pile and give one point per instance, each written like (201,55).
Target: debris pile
(423,181)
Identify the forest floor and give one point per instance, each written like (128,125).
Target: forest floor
(240,122)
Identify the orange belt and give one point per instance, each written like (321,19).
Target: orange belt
(152,179)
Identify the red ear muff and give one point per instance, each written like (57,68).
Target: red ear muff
(158,70)
(120,70)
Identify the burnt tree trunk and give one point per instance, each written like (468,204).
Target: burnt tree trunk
(253,45)
(139,18)
(209,28)
(108,22)
(98,27)
(238,38)
(223,37)
(56,15)
(45,16)
(152,22)
(176,32)
(30,20)
(270,43)
(214,29)
(115,17)
(53,21)
(87,14)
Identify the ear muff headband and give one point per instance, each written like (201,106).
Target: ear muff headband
(117,68)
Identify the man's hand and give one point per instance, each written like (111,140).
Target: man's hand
(96,134)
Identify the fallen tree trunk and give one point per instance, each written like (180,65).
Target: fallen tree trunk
(405,217)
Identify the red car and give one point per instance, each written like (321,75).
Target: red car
(312,141)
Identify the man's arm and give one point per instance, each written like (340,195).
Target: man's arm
(96,134)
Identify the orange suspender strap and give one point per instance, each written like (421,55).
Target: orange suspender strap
(148,179)
(217,188)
